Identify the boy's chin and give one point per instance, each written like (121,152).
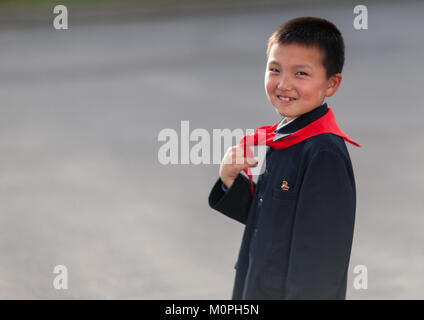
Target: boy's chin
(281,113)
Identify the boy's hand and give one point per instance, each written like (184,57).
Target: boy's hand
(232,163)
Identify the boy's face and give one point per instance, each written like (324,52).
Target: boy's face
(296,81)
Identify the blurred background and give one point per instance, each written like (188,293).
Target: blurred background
(80,114)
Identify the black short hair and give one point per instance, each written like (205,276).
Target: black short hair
(311,31)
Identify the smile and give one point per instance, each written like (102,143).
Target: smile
(285,99)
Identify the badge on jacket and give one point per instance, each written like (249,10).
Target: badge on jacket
(285,185)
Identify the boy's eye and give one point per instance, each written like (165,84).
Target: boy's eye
(273,70)
(301,73)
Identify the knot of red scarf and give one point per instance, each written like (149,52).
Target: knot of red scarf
(265,136)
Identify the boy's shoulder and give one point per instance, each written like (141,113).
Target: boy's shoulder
(328,143)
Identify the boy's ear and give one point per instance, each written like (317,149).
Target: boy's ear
(333,84)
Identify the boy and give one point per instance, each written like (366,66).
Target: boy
(300,215)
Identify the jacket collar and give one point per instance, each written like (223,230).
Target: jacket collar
(288,128)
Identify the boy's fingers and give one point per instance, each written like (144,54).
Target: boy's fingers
(235,157)
(251,162)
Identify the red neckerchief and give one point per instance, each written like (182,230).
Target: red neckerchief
(325,124)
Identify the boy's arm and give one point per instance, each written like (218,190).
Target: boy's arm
(322,231)
(234,203)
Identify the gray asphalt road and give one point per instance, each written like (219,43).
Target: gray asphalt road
(81,184)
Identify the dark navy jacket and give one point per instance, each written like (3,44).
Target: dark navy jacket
(297,241)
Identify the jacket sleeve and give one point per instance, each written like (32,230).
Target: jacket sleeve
(235,203)
(323,230)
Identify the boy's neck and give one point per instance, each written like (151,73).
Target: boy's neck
(285,120)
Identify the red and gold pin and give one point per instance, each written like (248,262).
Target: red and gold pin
(285,185)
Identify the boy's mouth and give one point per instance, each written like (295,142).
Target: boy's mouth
(285,99)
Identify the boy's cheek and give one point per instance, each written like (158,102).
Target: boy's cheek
(267,84)
(268,91)
(307,93)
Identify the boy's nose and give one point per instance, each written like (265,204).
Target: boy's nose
(284,83)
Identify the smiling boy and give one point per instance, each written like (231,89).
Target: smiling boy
(296,80)
(300,215)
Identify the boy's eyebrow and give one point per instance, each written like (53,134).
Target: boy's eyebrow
(295,66)
(273,62)
(302,66)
